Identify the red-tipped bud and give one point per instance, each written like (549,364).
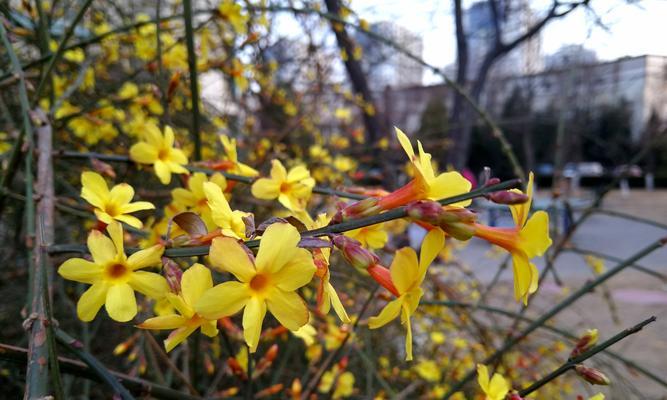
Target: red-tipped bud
(361,208)
(425,210)
(270,391)
(382,276)
(588,340)
(271,353)
(342,364)
(508,197)
(173,273)
(514,396)
(296,388)
(236,368)
(354,253)
(208,364)
(591,375)
(457,214)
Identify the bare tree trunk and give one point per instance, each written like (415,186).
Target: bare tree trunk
(456,131)
(356,74)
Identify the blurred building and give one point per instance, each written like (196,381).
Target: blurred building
(570,55)
(640,81)
(385,66)
(514,18)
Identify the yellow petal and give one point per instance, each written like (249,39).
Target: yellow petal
(128,219)
(91,301)
(146,258)
(433,243)
(115,231)
(103,216)
(277,247)
(136,206)
(288,308)
(534,237)
(405,143)
(162,171)
(210,328)
(388,313)
(449,184)
(121,194)
(222,300)
(101,247)
(520,211)
(149,283)
(178,336)
(178,156)
(228,254)
(336,303)
(184,197)
(408,334)
(168,137)
(195,281)
(120,302)
(404,269)
(180,305)
(171,321)
(498,387)
(80,270)
(522,275)
(297,272)
(265,188)
(298,173)
(278,172)
(153,135)
(253,316)
(143,153)
(94,189)
(483,377)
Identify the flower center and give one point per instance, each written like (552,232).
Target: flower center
(116,271)
(111,209)
(163,154)
(285,187)
(259,282)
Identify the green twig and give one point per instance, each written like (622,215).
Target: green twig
(75,347)
(194,88)
(572,362)
(511,342)
(396,213)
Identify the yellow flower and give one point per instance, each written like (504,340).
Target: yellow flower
(372,236)
(344,383)
(307,333)
(429,370)
(195,281)
(598,396)
(528,239)
(231,12)
(111,204)
(159,151)
(269,281)
(292,189)
(194,198)
(113,276)
(496,388)
(230,222)
(407,275)
(428,184)
(229,144)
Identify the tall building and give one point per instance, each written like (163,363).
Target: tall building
(385,66)
(514,17)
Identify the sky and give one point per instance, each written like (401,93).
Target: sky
(632,29)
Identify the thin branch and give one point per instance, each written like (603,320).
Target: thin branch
(395,213)
(511,342)
(18,355)
(194,88)
(572,362)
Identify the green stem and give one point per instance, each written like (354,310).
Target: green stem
(194,88)
(572,362)
(75,347)
(511,342)
(396,213)
(562,332)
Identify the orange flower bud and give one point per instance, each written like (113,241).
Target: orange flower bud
(354,253)
(587,341)
(270,391)
(591,375)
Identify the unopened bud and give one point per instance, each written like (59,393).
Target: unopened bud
(591,375)
(209,366)
(270,391)
(271,353)
(459,230)
(361,208)
(514,396)
(508,197)
(173,273)
(457,214)
(354,253)
(296,388)
(587,341)
(425,210)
